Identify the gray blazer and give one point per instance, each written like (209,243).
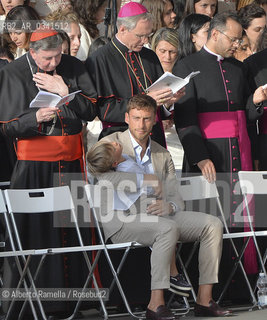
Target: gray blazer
(163,167)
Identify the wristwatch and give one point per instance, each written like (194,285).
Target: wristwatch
(174,208)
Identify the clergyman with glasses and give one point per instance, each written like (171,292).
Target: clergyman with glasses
(211,119)
(124,68)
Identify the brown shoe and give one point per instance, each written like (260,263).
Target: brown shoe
(162,313)
(213,310)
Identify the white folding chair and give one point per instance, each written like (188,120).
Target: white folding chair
(254,183)
(93,193)
(32,201)
(198,188)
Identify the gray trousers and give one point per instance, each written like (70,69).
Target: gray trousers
(162,234)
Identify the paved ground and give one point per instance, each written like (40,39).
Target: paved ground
(241,315)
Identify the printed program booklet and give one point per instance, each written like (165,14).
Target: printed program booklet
(45,99)
(168,80)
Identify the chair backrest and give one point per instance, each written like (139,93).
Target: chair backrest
(253,182)
(197,188)
(39,200)
(2,203)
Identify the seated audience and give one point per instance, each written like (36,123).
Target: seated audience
(253,21)
(193,34)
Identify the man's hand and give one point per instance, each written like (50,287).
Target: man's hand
(208,170)
(259,95)
(151,180)
(46,114)
(162,96)
(167,124)
(178,95)
(160,208)
(54,84)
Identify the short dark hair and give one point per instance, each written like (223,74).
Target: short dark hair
(220,20)
(249,13)
(141,101)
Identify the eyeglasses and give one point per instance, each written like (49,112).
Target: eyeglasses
(233,40)
(143,36)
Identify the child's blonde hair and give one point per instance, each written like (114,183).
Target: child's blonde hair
(100,158)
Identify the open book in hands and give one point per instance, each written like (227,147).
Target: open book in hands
(45,99)
(168,80)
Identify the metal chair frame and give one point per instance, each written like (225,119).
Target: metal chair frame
(40,201)
(198,188)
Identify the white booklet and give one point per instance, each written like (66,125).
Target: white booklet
(45,99)
(168,80)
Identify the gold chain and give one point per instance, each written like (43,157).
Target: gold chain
(142,67)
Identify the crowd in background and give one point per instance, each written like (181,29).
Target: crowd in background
(180,28)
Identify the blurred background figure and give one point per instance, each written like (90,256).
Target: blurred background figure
(207,7)
(242,3)
(65,43)
(262,43)
(46,7)
(253,20)
(179,10)
(20,36)
(193,33)
(73,29)
(162,11)
(243,51)
(90,14)
(94,127)
(6,6)
(8,156)
(5,52)
(262,4)
(165,43)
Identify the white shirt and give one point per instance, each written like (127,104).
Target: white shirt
(219,57)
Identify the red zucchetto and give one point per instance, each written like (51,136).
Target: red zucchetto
(42,32)
(131,9)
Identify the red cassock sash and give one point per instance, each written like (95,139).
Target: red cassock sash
(50,148)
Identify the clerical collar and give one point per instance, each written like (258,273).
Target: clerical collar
(219,57)
(35,68)
(122,43)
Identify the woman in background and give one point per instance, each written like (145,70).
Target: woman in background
(243,51)
(165,43)
(73,29)
(162,11)
(206,7)
(20,36)
(253,20)
(90,14)
(66,42)
(193,34)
